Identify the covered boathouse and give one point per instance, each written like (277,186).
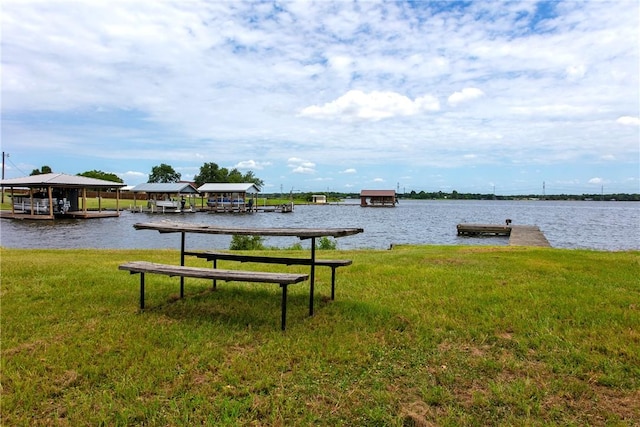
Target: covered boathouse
(230,197)
(378,198)
(57,195)
(164,197)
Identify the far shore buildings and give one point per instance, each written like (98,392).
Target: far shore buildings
(319,199)
(378,198)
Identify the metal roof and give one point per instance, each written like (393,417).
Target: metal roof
(221,187)
(168,187)
(377,193)
(59,180)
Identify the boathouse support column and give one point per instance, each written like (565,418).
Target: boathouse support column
(50,191)
(31,200)
(84,200)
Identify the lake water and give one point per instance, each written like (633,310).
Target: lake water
(588,224)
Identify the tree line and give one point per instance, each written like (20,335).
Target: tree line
(164,173)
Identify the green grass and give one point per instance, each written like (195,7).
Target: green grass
(430,335)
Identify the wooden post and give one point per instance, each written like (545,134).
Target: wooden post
(50,191)
(118,201)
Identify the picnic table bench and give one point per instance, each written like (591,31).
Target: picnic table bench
(282,279)
(226,256)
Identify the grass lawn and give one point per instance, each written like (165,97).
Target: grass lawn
(417,335)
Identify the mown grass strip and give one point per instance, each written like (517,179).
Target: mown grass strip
(431,334)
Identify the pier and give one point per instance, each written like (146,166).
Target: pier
(519,235)
(527,235)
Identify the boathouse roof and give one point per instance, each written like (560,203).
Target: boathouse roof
(221,187)
(377,193)
(165,187)
(59,180)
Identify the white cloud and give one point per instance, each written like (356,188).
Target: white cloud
(575,72)
(301,166)
(378,180)
(251,165)
(350,171)
(596,180)
(374,106)
(629,121)
(133,177)
(467,94)
(303,170)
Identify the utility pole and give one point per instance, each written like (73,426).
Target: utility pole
(2,189)
(543,191)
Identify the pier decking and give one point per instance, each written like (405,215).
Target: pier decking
(527,235)
(519,235)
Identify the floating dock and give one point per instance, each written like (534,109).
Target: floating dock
(519,235)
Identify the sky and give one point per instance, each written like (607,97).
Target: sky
(515,97)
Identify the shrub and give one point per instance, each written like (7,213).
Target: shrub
(326,243)
(246,243)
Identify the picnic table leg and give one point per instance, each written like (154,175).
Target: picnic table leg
(182,263)
(333,283)
(215,265)
(312,275)
(283,321)
(141,291)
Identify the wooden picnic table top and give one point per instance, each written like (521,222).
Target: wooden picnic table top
(302,233)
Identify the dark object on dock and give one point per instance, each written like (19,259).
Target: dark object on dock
(519,235)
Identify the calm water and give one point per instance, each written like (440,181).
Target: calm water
(591,225)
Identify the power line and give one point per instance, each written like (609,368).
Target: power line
(14,165)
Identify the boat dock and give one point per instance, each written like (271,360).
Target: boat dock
(519,235)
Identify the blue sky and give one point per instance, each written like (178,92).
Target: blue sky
(475,96)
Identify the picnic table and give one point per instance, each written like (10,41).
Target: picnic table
(302,233)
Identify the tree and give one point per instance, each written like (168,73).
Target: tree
(106,176)
(250,177)
(42,170)
(163,173)
(211,172)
